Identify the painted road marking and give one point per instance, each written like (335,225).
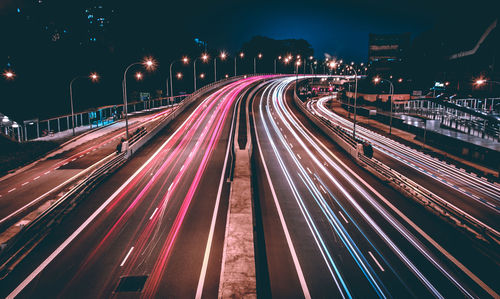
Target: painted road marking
(126,257)
(152,215)
(11,190)
(378,264)
(47,172)
(36,178)
(345,219)
(25,183)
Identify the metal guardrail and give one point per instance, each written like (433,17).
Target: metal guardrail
(425,197)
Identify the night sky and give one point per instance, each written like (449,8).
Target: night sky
(165,29)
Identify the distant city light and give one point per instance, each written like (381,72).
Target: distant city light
(242,54)
(260,55)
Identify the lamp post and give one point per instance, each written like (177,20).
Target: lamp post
(241,56)
(93,77)
(279,58)
(148,64)
(391,91)
(255,63)
(185,60)
(222,56)
(204,57)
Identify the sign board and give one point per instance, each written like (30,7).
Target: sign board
(144,96)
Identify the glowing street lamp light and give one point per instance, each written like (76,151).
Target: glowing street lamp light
(179,76)
(149,64)
(203,57)
(279,58)
(138,76)
(93,77)
(202,76)
(9,75)
(377,80)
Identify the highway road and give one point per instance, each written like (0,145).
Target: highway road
(474,195)
(48,178)
(332,230)
(324,226)
(157,225)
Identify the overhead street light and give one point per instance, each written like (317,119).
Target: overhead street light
(377,80)
(222,56)
(93,77)
(9,75)
(255,63)
(241,56)
(149,64)
(203,57)
(184,60)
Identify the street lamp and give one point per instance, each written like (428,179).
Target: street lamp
(184,60)
(480,82)
(203,57)
(9,75)
(391,91)
(93,77)
(279,58)
(149,64)
(255,62)
(222,56)
(241,56)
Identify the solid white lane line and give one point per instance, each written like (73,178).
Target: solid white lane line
(126,257)
(378,264)
(25,183)
(152,215)
(11,190)
(343,217)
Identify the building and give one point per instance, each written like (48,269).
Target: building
(387,53)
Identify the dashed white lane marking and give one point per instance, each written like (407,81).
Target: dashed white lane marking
(291,145)
(36,178)
(299,156)
(170,186)
(11,190)
(94,149)
(182,168)
(73,159)
(152,215)
(324,191)
(25,183)
(65,163)
(309,170)
(82,155)
(378,264)
(47,172)
(126,257)
(343,217)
